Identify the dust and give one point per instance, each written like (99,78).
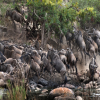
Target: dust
(82,66)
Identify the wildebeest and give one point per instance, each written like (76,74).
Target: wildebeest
(37,45)
(6,68)
(2,57)
(92,67)
(10,61)
(46,64)
(9,53)
(14,15)
(94,44)
(96,32)
(81,44)
(26,70)
(92,47)
(12,52)
(26,58)
(35,67)
(57,63)
(19,9)
(1,47)
(69,37)
(71,59)
(19,51)
(36,57)
(62,56)
(97,40)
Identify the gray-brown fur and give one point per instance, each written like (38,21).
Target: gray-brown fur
(6,68)
(63,57)
(12,52)
(36,57)
(90,48)
(1,47)
(94,44)
(71,59)
(46,64)
(19,51)
(9,53)
(35,67)
(81,44)
(2,57)
(97,40)
(26,58)
(57,63)
(26,70)
(11,61)
(92,67)
(14,15)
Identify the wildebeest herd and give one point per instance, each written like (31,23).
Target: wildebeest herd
(29,58)
(41,60)
(25,61)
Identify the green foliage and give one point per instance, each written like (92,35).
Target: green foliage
(17,92)
(92,11)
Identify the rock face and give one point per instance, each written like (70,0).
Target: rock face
(61,91)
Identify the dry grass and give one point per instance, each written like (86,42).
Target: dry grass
(16,92)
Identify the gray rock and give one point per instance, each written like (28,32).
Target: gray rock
(64,98)
(37,89)
(43,82)
(96,76)
(70,86)
(32,82)
(79,98)
(77,93)
(44,91)
(32,87)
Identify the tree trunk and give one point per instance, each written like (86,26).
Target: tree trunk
(46,38)
(42,34)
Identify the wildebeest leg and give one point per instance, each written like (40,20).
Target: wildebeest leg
(76,69)
(65,80)
(14,25)
(85,58)
(82,56)
(68,68)
(94,55)
(71,69)
(62,73)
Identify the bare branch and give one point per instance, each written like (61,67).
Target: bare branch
(36,14)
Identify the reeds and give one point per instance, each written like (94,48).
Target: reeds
(16,91)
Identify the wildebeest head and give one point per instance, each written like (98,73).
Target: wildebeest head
(43,55)
(93,66)
(34,52)
(68,50)
(51,53)
(79,33)
(8,13)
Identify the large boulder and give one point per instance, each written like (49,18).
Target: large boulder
(61,91)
